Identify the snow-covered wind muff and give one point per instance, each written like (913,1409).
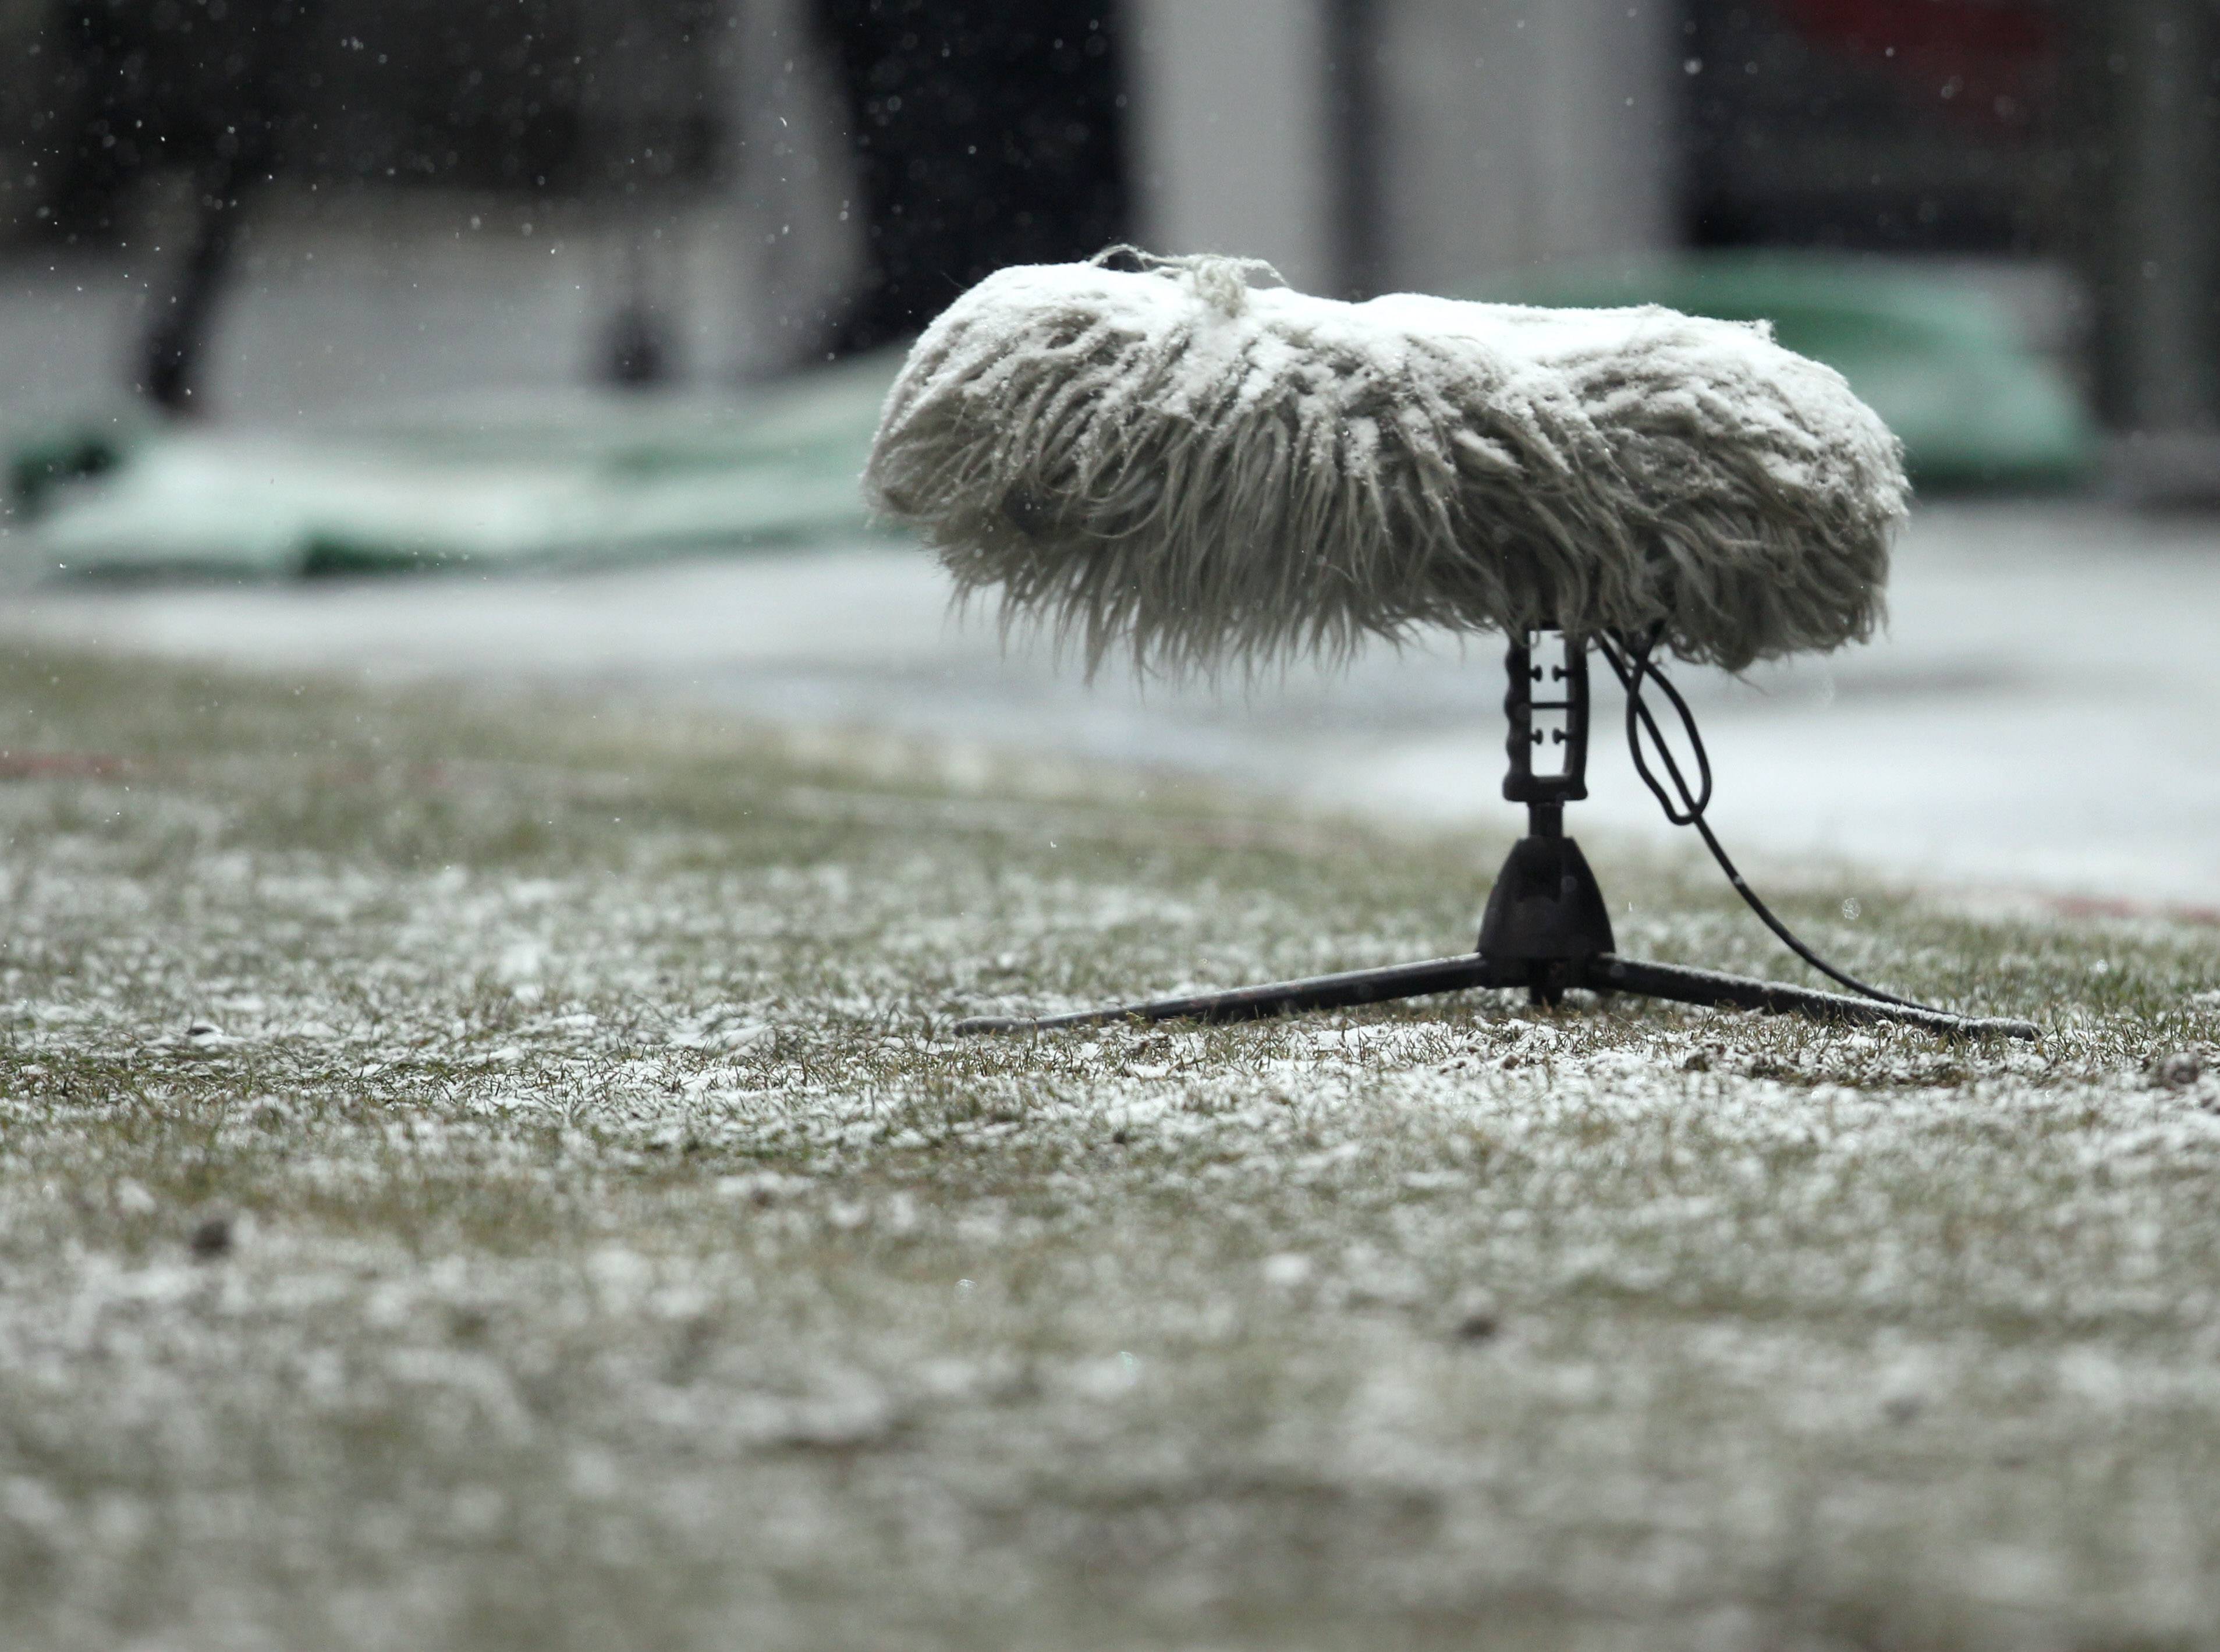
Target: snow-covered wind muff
(1170,458)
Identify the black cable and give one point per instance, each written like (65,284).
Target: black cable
(1633,672)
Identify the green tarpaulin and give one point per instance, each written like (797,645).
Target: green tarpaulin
(568,476)
(579,475)
(1943,363)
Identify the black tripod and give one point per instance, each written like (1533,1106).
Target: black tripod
(1546,927)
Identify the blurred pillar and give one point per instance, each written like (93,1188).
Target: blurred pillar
(1234,132)
(1516,132)
(1355,79)
(799,226)
(1363,145)
(2148,160)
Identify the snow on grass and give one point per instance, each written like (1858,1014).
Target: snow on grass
(494,1175)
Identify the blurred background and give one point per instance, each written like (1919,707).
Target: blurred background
(418,197)
(600,296)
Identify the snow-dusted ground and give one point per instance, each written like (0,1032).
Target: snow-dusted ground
(2043,715)
(477,1179)
(541,1208)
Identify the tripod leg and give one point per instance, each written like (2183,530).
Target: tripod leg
(1681,984)
(1253,1003)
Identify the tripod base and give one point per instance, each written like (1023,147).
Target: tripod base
(1604,973)
(1546,929)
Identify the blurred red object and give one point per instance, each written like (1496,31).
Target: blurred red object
(1991,62)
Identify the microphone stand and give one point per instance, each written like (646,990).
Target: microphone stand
(1546,927)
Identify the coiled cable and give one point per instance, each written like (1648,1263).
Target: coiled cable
(1631,661)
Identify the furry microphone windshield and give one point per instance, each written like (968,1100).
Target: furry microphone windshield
(1204,471)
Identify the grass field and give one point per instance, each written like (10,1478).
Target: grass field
(483,1175)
